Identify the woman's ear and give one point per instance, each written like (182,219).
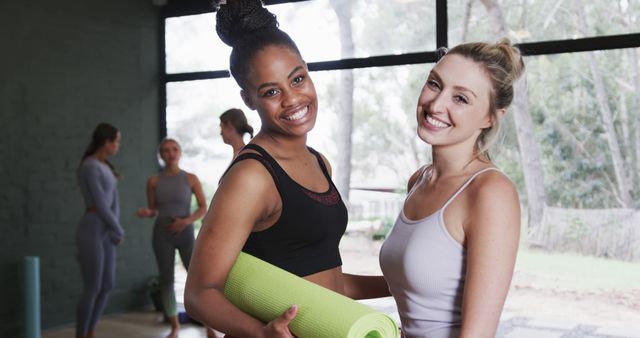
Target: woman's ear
(492,119)
(247,100)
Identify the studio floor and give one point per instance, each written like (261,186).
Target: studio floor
(145,324)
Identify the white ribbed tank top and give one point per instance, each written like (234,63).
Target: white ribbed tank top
(425,268)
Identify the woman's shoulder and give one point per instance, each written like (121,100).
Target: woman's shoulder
(191,177)
(493,178)
(249,169)
(324,159)
(89,161)
(494,206)
(153,179)
(416,175)
(90,164)
(493,187)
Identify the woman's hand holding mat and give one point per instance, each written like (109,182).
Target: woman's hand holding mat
(265,292)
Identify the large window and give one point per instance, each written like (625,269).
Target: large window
(379,27)
(578,265)
(541,20)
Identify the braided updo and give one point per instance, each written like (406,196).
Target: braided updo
(247,27)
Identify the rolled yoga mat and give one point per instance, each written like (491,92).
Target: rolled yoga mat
(265,291)
(32,297)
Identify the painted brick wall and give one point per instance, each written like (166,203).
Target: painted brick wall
(66,66)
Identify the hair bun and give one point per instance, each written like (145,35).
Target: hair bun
(514,56)
(237,18)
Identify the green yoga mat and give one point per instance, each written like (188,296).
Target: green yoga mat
(265,291)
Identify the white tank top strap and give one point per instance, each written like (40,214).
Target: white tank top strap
(466,183)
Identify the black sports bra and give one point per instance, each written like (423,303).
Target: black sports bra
(305,239)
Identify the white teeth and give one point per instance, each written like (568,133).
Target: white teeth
(436,123)
(298,115)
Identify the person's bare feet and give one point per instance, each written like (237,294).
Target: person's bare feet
(90,334)
(175,327)
(211,333)
(173,334)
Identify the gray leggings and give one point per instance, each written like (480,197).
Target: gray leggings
(97,256)
(164,247)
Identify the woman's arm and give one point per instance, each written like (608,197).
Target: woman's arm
(365,287)
(491,234)
(91,173)
(196,188)
(151,209)
(246,197)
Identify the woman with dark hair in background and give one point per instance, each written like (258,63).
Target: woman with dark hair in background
(276,201)
(233,126)
(450,256)
(169,198)
(99,230)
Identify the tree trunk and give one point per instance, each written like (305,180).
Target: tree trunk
(634,108)
(529,150)
(497,18)
(467,16)
(633,55)
(530,160)
(624,197)
(626,138)
(607,119)
(344,129)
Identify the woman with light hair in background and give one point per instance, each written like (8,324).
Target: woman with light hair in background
(169,198)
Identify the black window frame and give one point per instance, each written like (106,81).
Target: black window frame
(177,8)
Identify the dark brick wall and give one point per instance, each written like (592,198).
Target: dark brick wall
(66,66)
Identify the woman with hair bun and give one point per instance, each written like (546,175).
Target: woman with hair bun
(99,231)
(450,256)
(169,196)
(233,126)
(276,200)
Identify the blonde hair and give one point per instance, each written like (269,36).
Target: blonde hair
(503,63)
(167,140)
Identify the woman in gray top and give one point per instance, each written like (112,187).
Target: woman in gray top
(99,231)
(169,198)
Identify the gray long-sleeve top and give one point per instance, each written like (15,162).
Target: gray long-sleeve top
(99,187)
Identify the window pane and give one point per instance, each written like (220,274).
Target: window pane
(542,20)
(193,45)
(571,121)
(378,27)
(576,156)
(384,125)
(193,108)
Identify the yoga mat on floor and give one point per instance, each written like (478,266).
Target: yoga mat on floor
(32,297)
(265,291)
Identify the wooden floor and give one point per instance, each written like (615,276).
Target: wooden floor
(131,325)
(148,324)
